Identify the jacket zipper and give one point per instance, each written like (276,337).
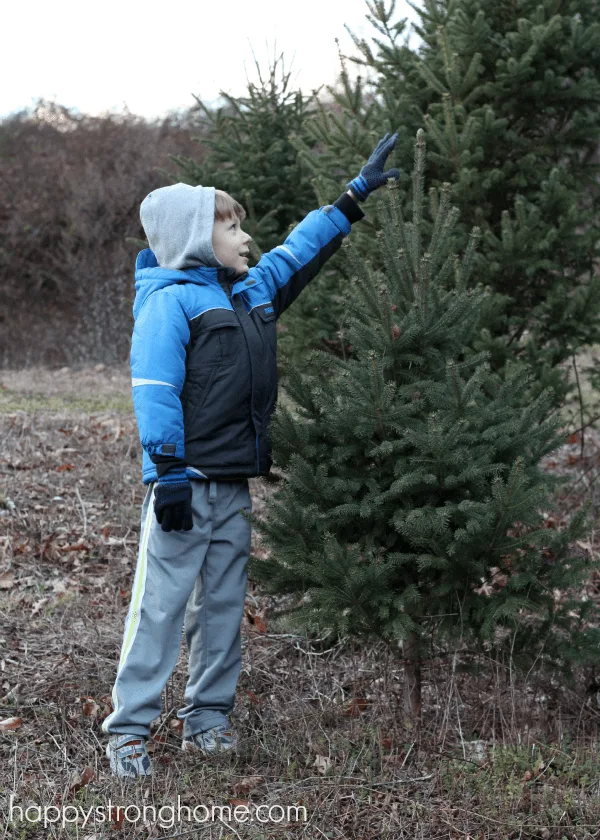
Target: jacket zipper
(229,295)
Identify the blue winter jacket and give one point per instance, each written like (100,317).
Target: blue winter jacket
(203,351)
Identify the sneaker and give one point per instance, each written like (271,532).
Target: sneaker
(219,739)
(128,756)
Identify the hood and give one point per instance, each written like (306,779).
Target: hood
(149,276)
(178,223)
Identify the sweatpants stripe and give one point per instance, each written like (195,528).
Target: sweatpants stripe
(139,588)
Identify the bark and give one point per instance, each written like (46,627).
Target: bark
(412,679)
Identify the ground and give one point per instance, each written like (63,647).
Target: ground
(320,725)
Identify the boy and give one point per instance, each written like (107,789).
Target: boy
(204,384)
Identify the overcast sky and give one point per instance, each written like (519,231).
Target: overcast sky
(152,56)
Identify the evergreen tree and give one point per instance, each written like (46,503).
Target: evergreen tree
(248,154)
(508,94)
(412,478)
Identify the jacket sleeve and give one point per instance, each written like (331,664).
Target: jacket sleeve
(288,268)
(158,363)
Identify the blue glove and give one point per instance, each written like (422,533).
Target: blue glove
(173,501)
(371,176)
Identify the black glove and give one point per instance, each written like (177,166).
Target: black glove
(372,176)
(173,501)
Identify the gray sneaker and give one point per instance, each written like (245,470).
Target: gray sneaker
(219,739)
(128,756)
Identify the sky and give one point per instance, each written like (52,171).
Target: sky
(152,57)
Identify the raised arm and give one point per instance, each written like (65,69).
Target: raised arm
(288,268)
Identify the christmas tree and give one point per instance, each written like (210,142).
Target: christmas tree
(247,150)
(508,95)
(411,471)
(247,153)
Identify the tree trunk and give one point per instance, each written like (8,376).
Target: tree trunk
(412,680)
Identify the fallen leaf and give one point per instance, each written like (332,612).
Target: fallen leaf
(119,816)
(89,706)
(256,621)
(322,763)
(260,624)
(10,723)
(82,779)
(246,784)
(356,706)
(38,605)
(107,706)
(7,580)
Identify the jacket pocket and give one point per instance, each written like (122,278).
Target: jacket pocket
(197,386)
(216,344)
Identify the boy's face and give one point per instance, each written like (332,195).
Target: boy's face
(230,243)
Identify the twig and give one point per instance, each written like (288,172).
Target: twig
(83,510)
(401,781)
(408,752)
(580,402)
(195,831)
(585,425)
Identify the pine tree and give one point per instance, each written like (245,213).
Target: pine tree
(508,95)
(412,481)
(248,154)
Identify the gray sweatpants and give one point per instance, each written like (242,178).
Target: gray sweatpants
(195,577)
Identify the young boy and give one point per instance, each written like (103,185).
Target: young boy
(204,384)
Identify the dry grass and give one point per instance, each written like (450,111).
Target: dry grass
(499,755)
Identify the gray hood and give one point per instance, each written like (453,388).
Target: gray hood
(178,222)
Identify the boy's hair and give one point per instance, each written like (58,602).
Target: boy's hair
(227,207)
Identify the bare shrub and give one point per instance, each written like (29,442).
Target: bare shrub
(70,190)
